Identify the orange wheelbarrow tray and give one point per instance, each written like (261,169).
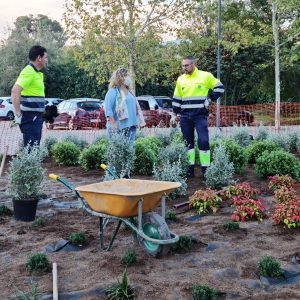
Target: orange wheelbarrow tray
(124,199)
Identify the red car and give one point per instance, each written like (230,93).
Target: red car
(79,113)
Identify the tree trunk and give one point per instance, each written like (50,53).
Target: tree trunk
(275,27)
(132,72)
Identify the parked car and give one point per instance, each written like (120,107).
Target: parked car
(78,113)
(6,108)
(156,109)
(53,101)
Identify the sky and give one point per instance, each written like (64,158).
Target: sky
(11,9)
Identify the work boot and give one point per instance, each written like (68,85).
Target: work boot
(191,171)
(203,169)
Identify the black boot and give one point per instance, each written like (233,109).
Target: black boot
(203,169)
(191,172)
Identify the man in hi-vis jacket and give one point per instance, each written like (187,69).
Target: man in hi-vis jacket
(194,91)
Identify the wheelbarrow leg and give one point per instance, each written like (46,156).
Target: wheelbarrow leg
(114,236)
(101,232)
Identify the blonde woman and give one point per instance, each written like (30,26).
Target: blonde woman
(122,110)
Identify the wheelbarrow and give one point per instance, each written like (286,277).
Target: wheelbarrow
(124,199)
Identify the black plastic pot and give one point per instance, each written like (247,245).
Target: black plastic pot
(25,210)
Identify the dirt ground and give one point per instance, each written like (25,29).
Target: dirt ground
(223,260)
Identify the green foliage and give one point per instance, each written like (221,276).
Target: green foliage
(49,142)
(256,149)
(38,262)
(268,266)
(241,135)
(129,258)
(92,157)
(184,244)
(77,238)
(262,133)
(171,172)
(38,222)
(203,292)
(282,140)
(26,174)
(25,296)
(230,225)
(277,163)
(66,153)
(121,289)
(120,155)
(236,153)
(5,211)
(80,143)
(145,158)
(220,172)
(205,201)
(171,215)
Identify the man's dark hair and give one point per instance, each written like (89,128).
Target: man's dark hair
(36,51)
(190,58)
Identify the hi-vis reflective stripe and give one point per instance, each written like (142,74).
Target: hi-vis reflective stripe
(194,98)
(177,98)
(191,156)
(176,104)
(204,158)
(192,106)
(220,90)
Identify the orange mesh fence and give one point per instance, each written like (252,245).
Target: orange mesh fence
(92,125)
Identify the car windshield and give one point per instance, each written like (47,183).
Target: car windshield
(164,102)
(89,106)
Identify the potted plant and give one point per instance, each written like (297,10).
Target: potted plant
(25,179)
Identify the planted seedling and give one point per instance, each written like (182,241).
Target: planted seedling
(78,238)
(25,296)
(203,292)
(184,244)
(120,290)
(129,258)
(229,225)
(5,211)
(38,262)
(38,222)
(171,215)
(270,267)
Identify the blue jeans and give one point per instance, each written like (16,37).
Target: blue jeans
(129,132)
(31,127)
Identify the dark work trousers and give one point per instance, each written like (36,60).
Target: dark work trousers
(31,127)
(188,126)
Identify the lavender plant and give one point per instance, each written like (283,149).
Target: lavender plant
(220,172)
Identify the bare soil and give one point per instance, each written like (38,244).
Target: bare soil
(219,258)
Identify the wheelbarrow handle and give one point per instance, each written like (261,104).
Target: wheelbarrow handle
(53,176)
(64,182)
(110,171)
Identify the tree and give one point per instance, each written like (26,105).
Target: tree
(122,32)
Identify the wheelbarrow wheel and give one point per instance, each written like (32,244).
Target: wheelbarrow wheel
(155,227)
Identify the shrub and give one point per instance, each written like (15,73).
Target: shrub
(240,189)
(145,158)
(26,174)
(240,134)
(277,163)
(129,258)
(120,155)
(288,214)
(203,292)
(66,153)
(277,182)
(101,141)
(229,225)
(257,148)
(77,238)
(282,140)
(220,172)
(49,142)
(247,208)
(5,211)
(284,195)
(80,143)
(92,157)
(38,222)
(38,262)
(184,244)
(171,215)
(270,267)
(120,290)
(262,133)
(174,153)
(205,201)
(171,172)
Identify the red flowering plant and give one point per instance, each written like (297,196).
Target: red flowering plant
(247,209)
(288,214)
(276,182)
(284,195)
(240,189)
(205,200)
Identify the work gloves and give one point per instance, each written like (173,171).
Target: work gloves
(207,103)
(17,119)
(173,120)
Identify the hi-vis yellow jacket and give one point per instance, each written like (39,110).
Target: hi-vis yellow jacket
(193,90)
